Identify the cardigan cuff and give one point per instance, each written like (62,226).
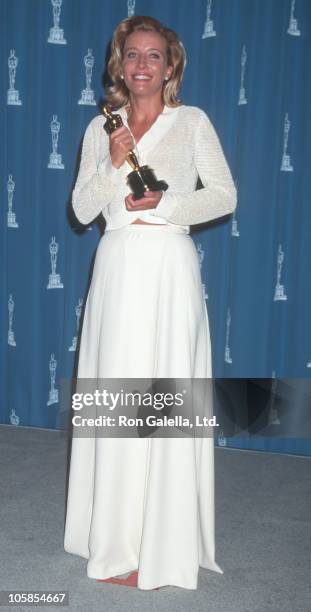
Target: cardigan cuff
(166,205)
(107,170)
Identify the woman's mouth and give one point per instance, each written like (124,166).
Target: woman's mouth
(141,77)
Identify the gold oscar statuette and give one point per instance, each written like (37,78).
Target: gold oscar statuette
(142,178)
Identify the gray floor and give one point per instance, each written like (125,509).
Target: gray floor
(263,523)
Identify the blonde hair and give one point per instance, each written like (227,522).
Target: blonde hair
(117,94)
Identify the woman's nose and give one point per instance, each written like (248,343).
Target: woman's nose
(142,61)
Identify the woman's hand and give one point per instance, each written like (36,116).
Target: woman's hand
(120,143)
(151,200)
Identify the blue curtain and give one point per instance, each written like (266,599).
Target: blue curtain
(249,69)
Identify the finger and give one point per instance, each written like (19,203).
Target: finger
(152,197)
(122,135)
(145,202)
(138,203)
(120,140)
(150,194)
(128,140)
(129,202)
(120,131)
(124,144)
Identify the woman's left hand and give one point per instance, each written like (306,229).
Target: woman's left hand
(151,200)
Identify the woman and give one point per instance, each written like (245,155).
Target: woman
(147,504)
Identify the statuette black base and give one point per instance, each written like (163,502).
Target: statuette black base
(143,180)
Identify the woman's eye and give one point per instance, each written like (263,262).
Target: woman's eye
(133,55)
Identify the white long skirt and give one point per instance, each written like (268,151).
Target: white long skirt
(144,504)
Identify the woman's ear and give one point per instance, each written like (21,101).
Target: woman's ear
(168,72)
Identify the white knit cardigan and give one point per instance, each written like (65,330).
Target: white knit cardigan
(179,146)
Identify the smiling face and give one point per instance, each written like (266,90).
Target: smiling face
(145,63)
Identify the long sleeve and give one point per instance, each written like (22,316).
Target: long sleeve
(218,197)
(96,182)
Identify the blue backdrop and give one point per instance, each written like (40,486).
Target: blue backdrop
(248,68)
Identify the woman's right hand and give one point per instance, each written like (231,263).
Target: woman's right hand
(120,143)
